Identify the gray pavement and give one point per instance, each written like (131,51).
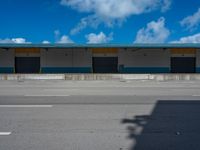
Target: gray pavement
(99,115)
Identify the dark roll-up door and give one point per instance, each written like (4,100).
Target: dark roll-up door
(105,64)
(183,64)
(27,64)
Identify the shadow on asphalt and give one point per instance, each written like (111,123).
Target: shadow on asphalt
(172,125)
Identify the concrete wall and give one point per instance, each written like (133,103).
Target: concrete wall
(7,60)
(66,61)
(144,61)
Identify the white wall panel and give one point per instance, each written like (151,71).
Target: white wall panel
(144,58)
(7,57)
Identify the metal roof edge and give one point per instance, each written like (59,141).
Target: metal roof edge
(138,45)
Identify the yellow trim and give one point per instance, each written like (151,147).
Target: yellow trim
(183,51)
(105,50)
(27,50)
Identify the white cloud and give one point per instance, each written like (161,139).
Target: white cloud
(57,35)
(155,32)
(92,21)
(166,5)
(189,39)
(57,32)
(14,40)
(64,39)
(191,22)
(19,40)
(111,11)
(99,38)
(45,42)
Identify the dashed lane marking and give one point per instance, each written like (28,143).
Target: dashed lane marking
(26,106)
(46,95)
(5,133)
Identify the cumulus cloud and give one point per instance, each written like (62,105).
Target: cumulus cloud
(99,38)
(191,22)
(14,41)
(155,32)
(189,39)
(45,42)
(111,11)
(64,39)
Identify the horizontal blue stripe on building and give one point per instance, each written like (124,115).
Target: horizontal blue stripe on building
(6,69)
(66,70)
(144,70)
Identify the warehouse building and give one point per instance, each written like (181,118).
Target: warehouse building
(72,58)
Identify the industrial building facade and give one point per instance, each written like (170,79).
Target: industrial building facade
(141,58)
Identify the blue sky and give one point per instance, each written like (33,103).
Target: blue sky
(99,21)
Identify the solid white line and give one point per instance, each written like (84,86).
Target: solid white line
(5,133)
(26,106)
(46,95)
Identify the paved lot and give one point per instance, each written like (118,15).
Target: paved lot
(99,115)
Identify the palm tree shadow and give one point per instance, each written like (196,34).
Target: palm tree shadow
(172,125)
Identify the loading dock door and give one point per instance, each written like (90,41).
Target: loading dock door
(27,64)
(183,64)
(105,64)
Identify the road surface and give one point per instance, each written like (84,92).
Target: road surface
(99,115)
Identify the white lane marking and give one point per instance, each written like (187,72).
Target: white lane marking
(46,95)
(26,106)
(5,133)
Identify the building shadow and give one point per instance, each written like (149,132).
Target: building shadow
(172,125)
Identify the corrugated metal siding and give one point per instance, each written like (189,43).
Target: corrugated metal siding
(183,64)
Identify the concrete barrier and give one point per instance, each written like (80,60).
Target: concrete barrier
(156,77)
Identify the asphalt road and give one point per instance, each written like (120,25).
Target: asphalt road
(99,115)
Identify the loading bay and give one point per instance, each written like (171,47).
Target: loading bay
(99,115)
